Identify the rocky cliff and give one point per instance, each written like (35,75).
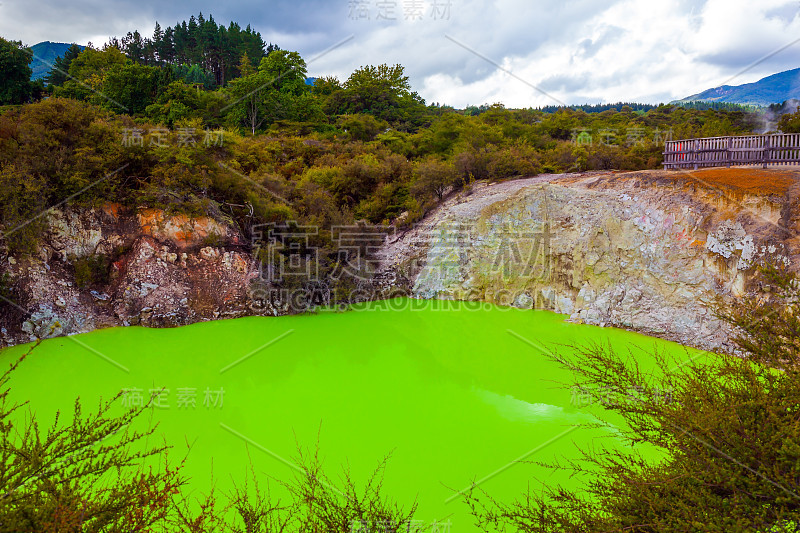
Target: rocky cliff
(652,251)
(154,270)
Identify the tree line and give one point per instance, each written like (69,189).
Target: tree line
(215,48)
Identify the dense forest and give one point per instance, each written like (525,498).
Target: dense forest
(699,105)
(214,48)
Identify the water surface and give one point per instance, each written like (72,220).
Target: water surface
(455,392)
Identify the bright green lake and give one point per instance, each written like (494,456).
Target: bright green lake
(455,391)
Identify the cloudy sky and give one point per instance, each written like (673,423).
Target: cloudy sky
(519,52)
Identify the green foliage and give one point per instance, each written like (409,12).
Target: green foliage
(193,75)
(276,92)
(246,66)
(92,63)
(598,108)
(284,72)
(132,86)
(21,197)
(50,151)
(86,73)
(179,101)
(307,166)
(381,91)
(247,107)
(326,86)
(59,72)
(730,436)
(15,73)
(790,122)
(701,105)
(91,270)
(215,49)
(108,79)
(80,473)
(433,177)
(361,127)
(383,78)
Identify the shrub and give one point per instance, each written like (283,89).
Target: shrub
(433,177)
(213,239)
(91,270)
(730,437)
(80,474)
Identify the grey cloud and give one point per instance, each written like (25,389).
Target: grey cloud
(785,13)
(754,60)
(517,31)
(590,47)
(494,34)
(570,83)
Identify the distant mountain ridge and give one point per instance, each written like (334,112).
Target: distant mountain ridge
(44,54)
(773,89)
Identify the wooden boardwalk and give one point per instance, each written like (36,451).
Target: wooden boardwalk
(744,150)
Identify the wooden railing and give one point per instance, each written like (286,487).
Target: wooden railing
(772,149)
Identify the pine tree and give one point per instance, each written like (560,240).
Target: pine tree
(158,43)
(58,73)
(214,48)
(246,68)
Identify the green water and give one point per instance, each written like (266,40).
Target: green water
(455,392)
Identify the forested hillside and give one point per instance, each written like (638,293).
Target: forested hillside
(766,91)
(206,118)
(45,54)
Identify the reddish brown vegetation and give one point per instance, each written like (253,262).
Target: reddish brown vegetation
(749,180)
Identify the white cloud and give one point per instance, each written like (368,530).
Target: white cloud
(576,51)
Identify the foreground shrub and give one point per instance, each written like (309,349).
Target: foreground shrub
(730,438)
(93,473)
(81,473)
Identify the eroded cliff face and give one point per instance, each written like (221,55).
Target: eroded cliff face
(649,251)
(656,252)
(162,271)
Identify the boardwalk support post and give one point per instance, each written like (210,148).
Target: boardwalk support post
(728,153)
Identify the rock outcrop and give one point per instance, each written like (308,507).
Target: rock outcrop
(162,271)
(649,251)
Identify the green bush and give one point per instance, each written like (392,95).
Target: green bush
(91,270)
(729,437)
(214,240)
(62,149)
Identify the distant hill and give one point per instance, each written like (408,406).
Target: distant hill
(43,56)
(770,90)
